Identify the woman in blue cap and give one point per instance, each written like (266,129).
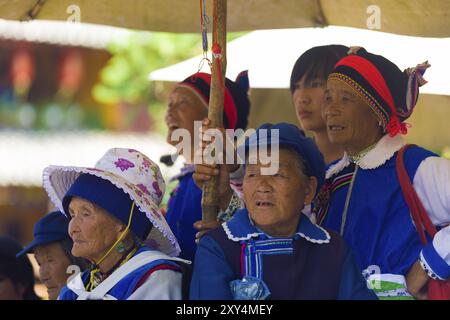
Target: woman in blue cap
(270,250)
(52,249)
(116,224)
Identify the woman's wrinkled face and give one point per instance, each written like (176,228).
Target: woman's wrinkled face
(9,290)
(275,201)
(184,108)
(92,229)
(308,99)
(350,121)
(53,263)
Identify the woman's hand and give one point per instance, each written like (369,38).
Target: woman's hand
(416,282)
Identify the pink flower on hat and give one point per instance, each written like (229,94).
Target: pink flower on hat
(123,164)
(144,188)
(158,191)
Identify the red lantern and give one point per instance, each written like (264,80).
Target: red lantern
(71,72)
(22,70)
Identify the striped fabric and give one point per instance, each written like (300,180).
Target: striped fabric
(337,183)
(252,252)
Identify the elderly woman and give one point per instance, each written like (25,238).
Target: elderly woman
(113,209)
(16,273)
(368,99)
(52,249)
(270,249)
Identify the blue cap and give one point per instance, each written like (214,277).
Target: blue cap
(292,137)
(53,227)
(109,197)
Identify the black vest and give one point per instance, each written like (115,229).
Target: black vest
(313,271)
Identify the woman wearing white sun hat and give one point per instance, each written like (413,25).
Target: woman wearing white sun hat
(115,223)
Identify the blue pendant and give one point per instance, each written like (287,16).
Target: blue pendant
(249,288)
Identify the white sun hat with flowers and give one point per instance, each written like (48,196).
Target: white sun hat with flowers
(134,173)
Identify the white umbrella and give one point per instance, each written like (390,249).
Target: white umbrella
(414,17)
(269,55)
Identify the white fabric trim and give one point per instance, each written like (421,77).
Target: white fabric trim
(385,148)
(233,238)
(251,235)
(318,241)
(432,184)
(99,292)
(373,282)
(426,267)
(161,285)
(337,167)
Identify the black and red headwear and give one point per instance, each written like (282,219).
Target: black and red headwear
(236,102)
(389,92)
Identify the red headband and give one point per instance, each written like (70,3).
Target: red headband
(371,74)
(228,103)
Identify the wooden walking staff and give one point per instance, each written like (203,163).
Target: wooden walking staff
(210,197)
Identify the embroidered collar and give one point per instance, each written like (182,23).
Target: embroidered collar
(240,227)
(187,168)
(376,157)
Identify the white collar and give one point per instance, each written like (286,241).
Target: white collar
(385,148)
(240,228)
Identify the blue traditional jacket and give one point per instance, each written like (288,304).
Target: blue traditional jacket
(184,208)
(130,281)
(238,261)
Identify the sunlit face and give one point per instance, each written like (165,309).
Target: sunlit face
(53,263)
(92,229)
(274,202)
(9,290)
(184,108)
(308,98)
(350,121)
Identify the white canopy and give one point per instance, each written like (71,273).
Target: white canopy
(413,17)
(62,33)
(25,154)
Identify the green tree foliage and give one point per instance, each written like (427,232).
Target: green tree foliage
(125,77)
